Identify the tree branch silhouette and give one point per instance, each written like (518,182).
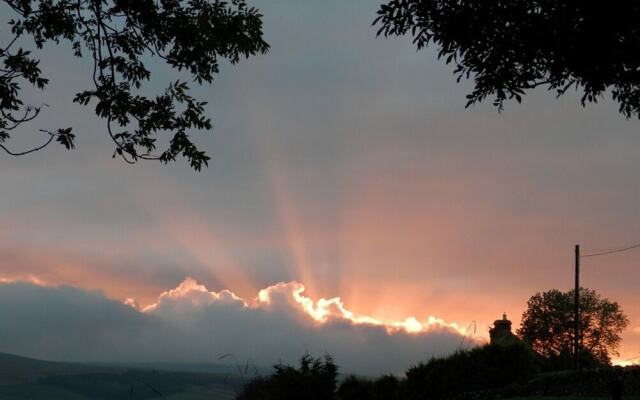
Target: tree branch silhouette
(120,36)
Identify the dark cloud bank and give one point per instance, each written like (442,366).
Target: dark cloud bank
(190,324)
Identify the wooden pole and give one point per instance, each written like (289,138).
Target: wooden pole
(576,338)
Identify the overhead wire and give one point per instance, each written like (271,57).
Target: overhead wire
(612,251)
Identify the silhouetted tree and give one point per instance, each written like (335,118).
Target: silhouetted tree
(314,379)
(548,325)
(510,46)
(120,36)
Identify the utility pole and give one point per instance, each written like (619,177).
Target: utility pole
(576,337)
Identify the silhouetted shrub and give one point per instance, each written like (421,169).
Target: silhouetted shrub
(481,368)
(353,388)
(387,387)
(478,369)
(564,361)
(314,379)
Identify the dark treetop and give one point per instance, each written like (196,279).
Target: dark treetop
(121,36)
(547,324)
(509,46)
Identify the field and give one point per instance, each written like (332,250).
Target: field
(24,378)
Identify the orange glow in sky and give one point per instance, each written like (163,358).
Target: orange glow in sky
(350,166)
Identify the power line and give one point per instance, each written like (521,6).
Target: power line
(578,257)
(618,250)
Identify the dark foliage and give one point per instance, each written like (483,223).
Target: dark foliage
(314,379)
(482,368)
(387,387)
(548,326)
(486,367)
(564,361)
(594,383)
(510,46)
(121,36)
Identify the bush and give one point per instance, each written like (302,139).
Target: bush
(387,387)
(482,368)
(315,379)
(486,367)
(353,388)
(564,361)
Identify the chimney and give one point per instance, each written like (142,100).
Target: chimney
(501,331)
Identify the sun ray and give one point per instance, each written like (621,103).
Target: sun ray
(295,236)
(183,226)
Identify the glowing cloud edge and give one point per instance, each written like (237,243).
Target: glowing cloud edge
(318,312)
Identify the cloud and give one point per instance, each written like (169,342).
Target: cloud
(191,323)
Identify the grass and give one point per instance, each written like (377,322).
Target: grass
(570,398)
(37,391)
(205,393)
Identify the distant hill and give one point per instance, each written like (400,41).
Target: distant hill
(214,368)
(28,378)
(17,369)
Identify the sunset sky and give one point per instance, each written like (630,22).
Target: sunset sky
(346,163)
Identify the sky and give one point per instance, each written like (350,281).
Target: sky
(341,162)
